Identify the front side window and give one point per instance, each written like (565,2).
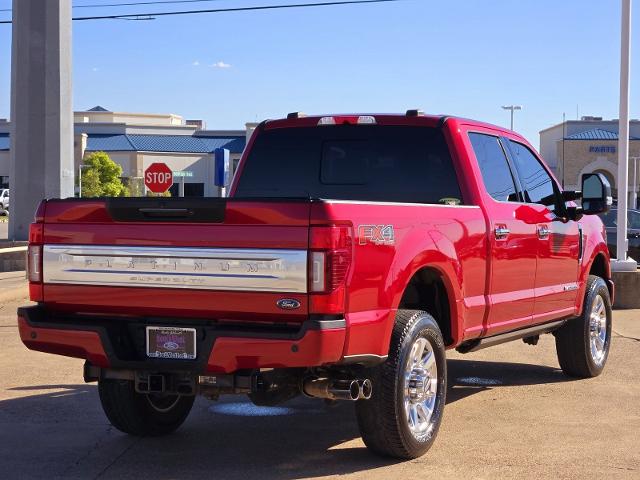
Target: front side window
(537,184)
(609,218)
(633,219)
(495,170)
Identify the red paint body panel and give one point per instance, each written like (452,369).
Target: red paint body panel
(492,286)
(316,348)
(70,343)
(172,303)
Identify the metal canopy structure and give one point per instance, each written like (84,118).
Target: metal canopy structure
(41,109)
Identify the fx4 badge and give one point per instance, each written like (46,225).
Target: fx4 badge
(376,234)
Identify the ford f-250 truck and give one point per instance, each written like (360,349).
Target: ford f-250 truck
(352,252)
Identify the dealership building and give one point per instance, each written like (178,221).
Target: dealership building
(136,140)
(589,145)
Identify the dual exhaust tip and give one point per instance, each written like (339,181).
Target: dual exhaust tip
(338,389)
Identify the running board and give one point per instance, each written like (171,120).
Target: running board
(480,343)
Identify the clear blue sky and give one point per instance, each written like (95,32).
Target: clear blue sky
(465,58)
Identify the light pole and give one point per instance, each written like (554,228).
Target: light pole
(512,108)
(622,262)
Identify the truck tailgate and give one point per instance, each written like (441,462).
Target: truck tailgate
(220,259)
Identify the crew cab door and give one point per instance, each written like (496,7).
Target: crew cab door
(558,238)
(512,238)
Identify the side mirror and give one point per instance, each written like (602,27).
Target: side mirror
(596,194)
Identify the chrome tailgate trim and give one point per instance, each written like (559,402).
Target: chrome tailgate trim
(166,267)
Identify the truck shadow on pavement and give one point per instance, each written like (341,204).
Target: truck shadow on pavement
(230,439)
(469,377)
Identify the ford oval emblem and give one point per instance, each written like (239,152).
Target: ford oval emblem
(288,304)
(171,345)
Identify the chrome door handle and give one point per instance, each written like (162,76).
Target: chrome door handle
(501,232)
(543,232)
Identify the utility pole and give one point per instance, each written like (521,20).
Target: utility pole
(41,109)
(622,263)
(512,108)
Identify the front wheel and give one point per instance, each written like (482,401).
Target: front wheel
(403,416)
(583,342)
(142,414)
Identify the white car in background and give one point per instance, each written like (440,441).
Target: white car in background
(4,201)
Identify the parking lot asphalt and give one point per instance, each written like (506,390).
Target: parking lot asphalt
(511,413)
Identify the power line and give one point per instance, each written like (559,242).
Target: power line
(130,4)
(221,10)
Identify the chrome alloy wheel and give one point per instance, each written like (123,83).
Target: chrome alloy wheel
(420,387)
(598,330)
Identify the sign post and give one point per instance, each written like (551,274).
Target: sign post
(158,177)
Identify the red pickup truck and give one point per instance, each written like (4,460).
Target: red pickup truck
(352,252)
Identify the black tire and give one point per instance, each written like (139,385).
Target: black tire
(576,356)
(139,414)
(383,420)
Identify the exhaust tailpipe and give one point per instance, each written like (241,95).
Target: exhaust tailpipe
(334,389)
(366,389)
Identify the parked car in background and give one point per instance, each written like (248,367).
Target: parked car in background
(610,220)
(4,201)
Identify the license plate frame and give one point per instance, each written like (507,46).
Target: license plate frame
(171,343)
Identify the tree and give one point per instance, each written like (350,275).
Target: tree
(101,177)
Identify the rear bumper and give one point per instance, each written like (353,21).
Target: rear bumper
(119,343)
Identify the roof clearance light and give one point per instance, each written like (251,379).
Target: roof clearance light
(366,120)
(327,121)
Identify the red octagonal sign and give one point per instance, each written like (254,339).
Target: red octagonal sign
(158,177)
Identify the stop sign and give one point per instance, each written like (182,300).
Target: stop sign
(158,177)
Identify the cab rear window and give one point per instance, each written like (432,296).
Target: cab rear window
(352,162)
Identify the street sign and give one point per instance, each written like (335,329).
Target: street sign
(158,177)
(183,173)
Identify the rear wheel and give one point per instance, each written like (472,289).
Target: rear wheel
(142,414)
(583,342)
(403,416)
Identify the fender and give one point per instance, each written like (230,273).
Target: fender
(595,245)
(585,268)
(438,253)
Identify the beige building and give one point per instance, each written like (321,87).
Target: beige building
(589,145)
(136,140)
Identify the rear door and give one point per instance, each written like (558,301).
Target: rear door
(513,242)
(558,238)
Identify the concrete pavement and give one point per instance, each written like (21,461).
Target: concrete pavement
(12,285)
(510,414)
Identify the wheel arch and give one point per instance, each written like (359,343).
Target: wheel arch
(599,265)
(429,289)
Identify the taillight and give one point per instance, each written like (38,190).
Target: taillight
(34,263)
(34,255)
(330,257)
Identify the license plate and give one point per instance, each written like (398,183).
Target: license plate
(171,342)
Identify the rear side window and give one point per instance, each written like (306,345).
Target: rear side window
(494,167)
(352,162)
